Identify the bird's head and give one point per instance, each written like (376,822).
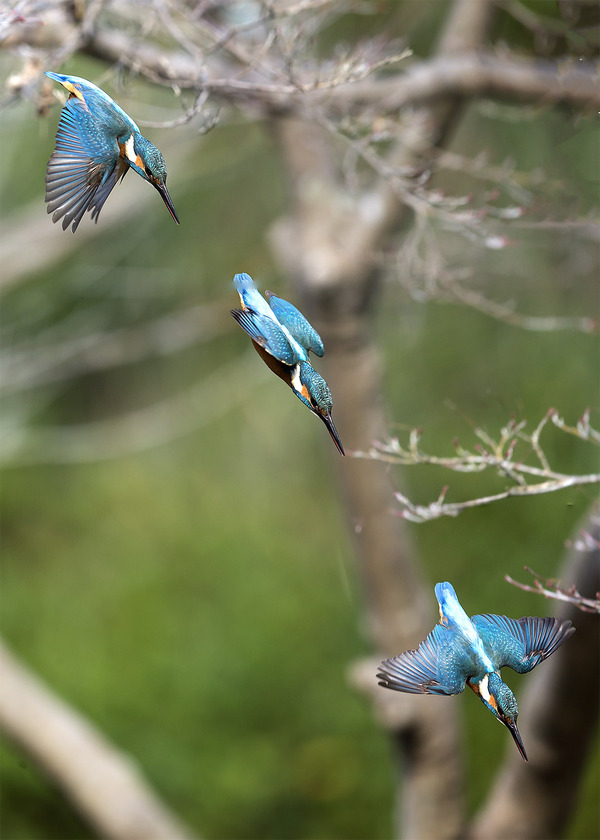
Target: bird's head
(502,703)
(148,162)
(310,387)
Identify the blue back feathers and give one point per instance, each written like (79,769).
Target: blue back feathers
(264,327)
(450,607)
(304,333)
(250,297)
(103,111)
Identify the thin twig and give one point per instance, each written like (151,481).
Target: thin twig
(499,455)
(552,589)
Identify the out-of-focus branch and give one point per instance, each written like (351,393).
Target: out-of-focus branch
(138,430)
(103,783)
(20,261)
(492,74)
(449,288)
(559,714)
(475,74)
(65,356)
(507,456)
(547,30)
(223,63)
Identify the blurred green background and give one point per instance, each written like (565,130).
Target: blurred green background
(198,599)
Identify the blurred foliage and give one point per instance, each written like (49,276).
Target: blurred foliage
(199,600)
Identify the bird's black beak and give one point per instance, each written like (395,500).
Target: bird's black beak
(512,726)
(162,188)
(326,418)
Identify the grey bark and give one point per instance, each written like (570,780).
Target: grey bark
(103,783)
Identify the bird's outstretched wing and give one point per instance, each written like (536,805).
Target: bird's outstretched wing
(434,668)
(104,190)
(81,171)
(521,643)
(267,333)
(300,329)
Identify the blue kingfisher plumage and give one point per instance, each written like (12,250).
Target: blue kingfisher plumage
(283,338)
(96,144)
(471,651)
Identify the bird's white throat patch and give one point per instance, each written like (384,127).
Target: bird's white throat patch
(297,385)
(129,150)
(484,689)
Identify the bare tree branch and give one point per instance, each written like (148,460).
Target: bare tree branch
(504,456)
(491,74)
(553,589)
(548,30)
(203,60)
(103,783)
(476,74)
(424,513)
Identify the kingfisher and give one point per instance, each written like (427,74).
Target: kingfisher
(463,651)
(96,144)
(283,338)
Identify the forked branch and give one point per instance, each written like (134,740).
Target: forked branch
(507,456)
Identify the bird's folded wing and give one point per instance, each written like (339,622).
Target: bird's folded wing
(267,333)
(434,668)
(300,329)
(521,643)
(76,169)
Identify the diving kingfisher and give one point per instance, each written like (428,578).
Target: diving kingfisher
(96,144)
(463,651)
(283,338)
